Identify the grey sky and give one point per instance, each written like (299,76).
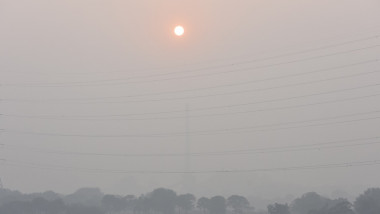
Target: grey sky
(75,67)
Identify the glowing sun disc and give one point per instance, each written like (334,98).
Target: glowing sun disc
(179,30)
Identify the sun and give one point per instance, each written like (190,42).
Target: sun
(179,30)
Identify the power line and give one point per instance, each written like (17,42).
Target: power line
(231,93)
(249,128)
(264,66)
(84,118)
(30,165)
(374,36)
(101,117)
(247,82)
(268,150)
(83,83)
(94,100)
(217,131)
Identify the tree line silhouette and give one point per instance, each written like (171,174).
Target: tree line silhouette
(166,201)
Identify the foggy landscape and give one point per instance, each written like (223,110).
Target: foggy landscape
(182,107)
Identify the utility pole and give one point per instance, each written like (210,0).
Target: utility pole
(187,142)
(1,130)
(187,179)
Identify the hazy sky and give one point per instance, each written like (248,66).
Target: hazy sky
(82,82)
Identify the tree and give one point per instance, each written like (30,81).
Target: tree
(203,204)
(41,205)
(368,202)
(81,209)
(186,202)
(85,196)
(238,203)
(342,207)
(217,205)
(142,205)
(56,206)
(130,202)
(163,200)
(19,207)
(278,209)
(113,203)
(309,202)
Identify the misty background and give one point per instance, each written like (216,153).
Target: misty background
(102,94)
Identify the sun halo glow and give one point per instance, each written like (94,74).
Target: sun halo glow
(179,30)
